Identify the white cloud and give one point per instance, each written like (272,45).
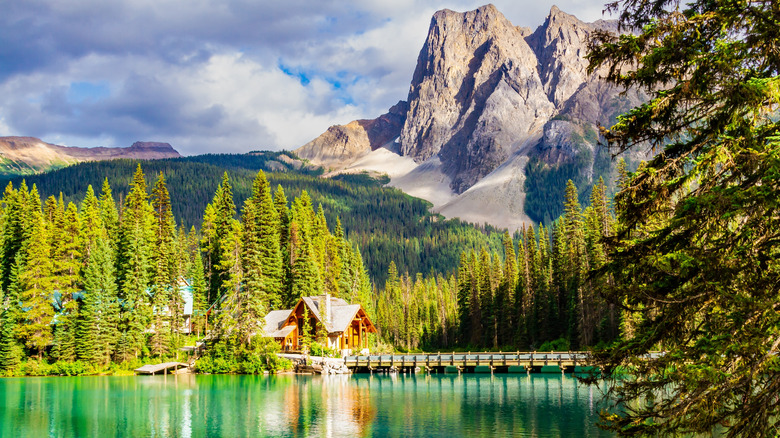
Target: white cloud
(204,75)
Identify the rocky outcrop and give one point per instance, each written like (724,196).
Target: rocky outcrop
(27,155)
(341,144)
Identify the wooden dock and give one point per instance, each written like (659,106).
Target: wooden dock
(569,361)
(161,368)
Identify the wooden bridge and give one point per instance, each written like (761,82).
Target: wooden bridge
(570,361)
(161,368)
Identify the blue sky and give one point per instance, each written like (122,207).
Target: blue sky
(214,75)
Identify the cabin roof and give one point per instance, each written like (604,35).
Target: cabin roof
(341,316)
(274,320)
(282,333)
(341,312)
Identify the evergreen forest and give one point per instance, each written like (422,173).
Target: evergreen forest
(97,279)
(535,294)
(101,282)
(386,224)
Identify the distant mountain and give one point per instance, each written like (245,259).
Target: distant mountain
(497,119)
(29,155)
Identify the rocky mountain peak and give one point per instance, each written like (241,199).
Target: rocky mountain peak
(487,98)
(475,96)
(560,45)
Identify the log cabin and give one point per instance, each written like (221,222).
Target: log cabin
(345,325)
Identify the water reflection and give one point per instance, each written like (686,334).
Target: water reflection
(289,405)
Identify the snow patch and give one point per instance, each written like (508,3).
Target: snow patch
(426,181)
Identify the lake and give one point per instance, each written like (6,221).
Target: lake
(448,405)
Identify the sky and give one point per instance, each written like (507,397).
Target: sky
(215,76)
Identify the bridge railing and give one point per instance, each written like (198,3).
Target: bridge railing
(470,359)
(486,357)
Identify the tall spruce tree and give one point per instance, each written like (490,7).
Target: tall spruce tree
(504,302)
(17,221)
(136,234)
(99,314)
(254,301)
(10,348)
(221,224)
(109,213)
(166,300)
(67,261)
(197,278)
(266,228)
(36,284)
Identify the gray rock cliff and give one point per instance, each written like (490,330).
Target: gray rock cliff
(485,98)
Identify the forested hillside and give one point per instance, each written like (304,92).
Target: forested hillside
(536,293)
(387,224)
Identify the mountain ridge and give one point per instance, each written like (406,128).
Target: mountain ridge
(30,155)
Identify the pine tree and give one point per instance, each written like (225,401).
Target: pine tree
(98,316)
(92,315)
(254,300)
(222,217)
(358,281)
(36,286)
(504,303)
(699,239)
(91,220)
(208,246)
(532,288)
(267,226)
(521,291)
(476,280)
(305,272)
(166,301)
(199,288)
(109,214)
(280,204)
(10,349)
(230,322)
(67,260)
(573,234)
(16,227)
(486,300)
(135,236)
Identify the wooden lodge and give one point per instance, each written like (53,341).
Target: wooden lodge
(346,325)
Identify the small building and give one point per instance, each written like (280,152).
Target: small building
(347,325)
(187,305)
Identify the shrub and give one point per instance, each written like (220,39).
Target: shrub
(560,344)
(224,366)
(204,365)
(252,364)
(320,350)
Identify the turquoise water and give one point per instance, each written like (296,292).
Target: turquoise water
(289,405)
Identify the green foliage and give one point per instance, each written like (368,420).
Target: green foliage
(386,224)
(545,183)
(318,349)
(257,357)
(698,241)
(10,350)
(560,344)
